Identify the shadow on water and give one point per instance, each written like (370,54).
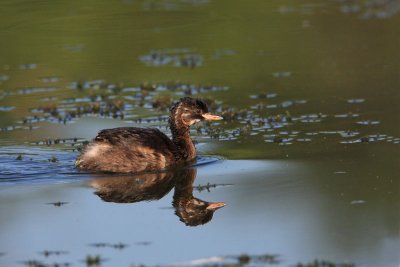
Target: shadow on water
(153,186)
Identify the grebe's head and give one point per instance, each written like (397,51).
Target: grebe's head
(188,111)
(194,211)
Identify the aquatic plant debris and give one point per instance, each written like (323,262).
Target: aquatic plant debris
(119,101)
(6,108)
(93,260)
(48,253)
(208,187)
(324,263)
(58,203)
(28,66)
(170,5)
(357,202)
(118,246)
(282,74)
(178,57)
(4,77)
(372,9)
(234,260)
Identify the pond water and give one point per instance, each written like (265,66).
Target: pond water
(306,160)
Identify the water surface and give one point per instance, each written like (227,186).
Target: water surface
(308,151)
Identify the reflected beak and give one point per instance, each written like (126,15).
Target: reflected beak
(215,205)
(211,117)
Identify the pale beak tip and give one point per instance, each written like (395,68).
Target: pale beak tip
(212,117)
(216,205)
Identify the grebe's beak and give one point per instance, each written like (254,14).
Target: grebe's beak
(215,205)
(211,117)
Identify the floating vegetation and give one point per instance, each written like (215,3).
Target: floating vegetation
(347,142)
(57,204)
(348,134)
(4,77)
(303,9)
(265,259)
(6,108)
(50,79)
(29,66)
(178,57)
(350,8)
(93,260)
(312,116)
(347,115)
(50,98)
(31,90)
(264,96)
(64,113)
(118,246)
(144,243)
(76,48)
(356,101)
(36,263)
(324,263)
(162,102)
(91,84)
(219,53)
(68,141)
(280,140)
(170,5)
(48,253)
(99,245)
(282,74)
(372,9)
(111,100)
(371,138)
(208,187)
(368,122)
(33,263)
(303,139)
(284,104)
(358,202)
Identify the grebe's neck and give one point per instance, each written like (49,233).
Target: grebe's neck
(185,148)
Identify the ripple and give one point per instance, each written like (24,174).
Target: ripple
(32,164)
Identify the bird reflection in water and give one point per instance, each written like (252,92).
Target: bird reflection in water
(153,186)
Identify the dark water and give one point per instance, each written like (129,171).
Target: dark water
(306,158)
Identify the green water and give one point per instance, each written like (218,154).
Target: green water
(310,142)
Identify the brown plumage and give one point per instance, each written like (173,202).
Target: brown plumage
(132,149)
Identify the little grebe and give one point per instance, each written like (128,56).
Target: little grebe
(131,149)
